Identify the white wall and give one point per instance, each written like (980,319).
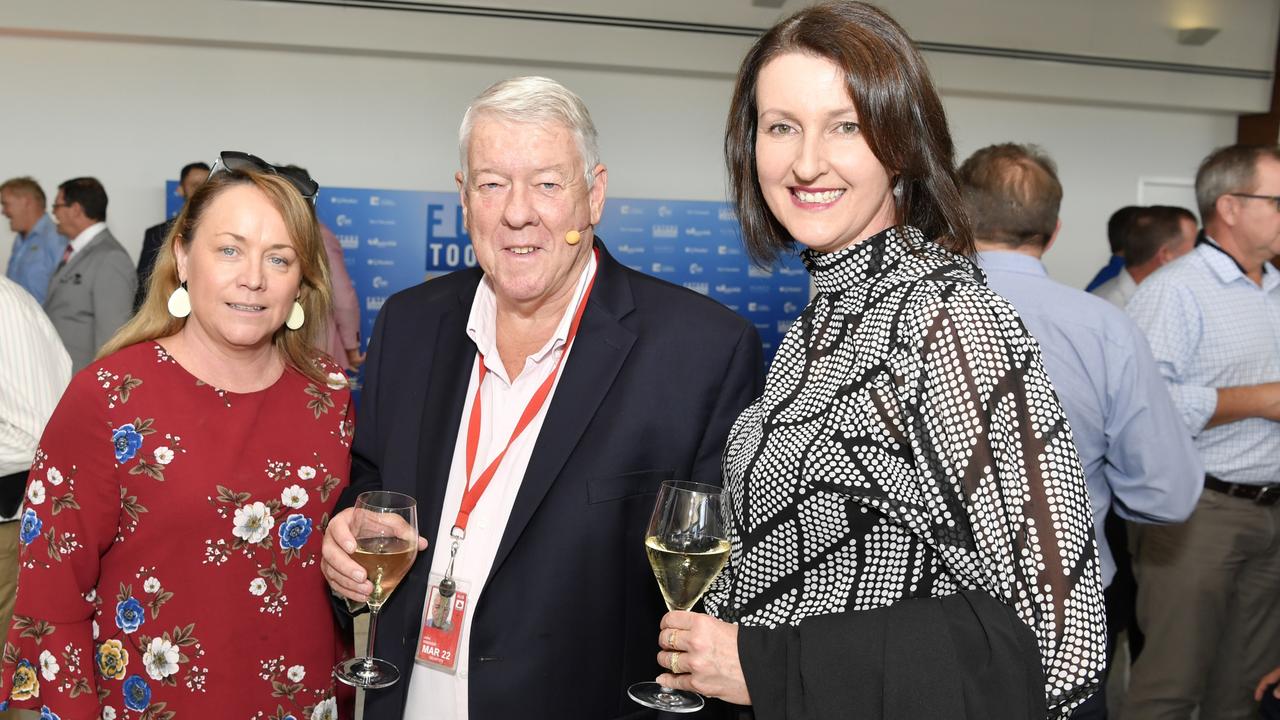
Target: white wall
(130,92)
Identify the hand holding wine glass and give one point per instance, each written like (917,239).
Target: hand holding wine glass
(687,547)
(385,525)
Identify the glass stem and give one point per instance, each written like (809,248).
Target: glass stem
(368,641)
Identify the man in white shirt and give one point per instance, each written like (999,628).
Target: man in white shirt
(91,292)
(36,371)
(640,381)
(1156,236)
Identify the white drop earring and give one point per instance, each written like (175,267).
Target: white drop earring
(180,302)
(297,317)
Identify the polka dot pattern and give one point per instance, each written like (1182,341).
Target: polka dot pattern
(909,444)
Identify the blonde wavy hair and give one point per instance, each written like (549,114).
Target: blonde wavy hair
(298,347)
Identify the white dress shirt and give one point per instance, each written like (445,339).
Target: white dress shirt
(34,370)
(435,695)
(85,237)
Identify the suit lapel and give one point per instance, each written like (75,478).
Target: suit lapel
(452,356)
(597,354)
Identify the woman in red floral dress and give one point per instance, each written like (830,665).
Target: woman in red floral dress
(172,525)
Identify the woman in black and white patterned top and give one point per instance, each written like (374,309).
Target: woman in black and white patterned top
(909,522)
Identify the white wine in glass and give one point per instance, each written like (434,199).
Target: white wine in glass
(687,548)
(386,528)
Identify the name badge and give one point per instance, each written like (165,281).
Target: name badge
(442,619)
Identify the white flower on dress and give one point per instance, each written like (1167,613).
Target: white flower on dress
(296,673)
(258,586)
(152,585)
(161,659)
(108,713)
(337,381)
(54,476)
(327,710)
(95,629)
(294,496)
(48,666)
(35,492)
(306,472)
(253,523)
(164,455)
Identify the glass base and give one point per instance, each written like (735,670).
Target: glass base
(653,695)
(367,673)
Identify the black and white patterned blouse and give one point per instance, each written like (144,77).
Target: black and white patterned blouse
(909,444)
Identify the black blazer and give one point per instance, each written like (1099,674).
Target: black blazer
(152,239)
(569,615)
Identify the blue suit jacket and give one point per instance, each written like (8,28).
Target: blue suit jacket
(569,615)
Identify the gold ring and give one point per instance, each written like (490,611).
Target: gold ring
(675,663)
(671,639)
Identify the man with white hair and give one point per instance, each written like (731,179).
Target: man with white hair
(534,406)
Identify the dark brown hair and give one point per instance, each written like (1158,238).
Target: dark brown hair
(1153,228)
(1012,194)
(898,109)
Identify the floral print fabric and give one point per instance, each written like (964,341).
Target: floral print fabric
(170,548)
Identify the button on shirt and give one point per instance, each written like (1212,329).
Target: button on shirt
(435,695)
(35,256)
(1211,327)
(1132,443)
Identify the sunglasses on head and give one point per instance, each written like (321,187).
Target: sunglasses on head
(231,160)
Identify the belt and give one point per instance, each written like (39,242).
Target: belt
(1260,494)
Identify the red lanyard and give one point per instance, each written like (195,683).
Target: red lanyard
(476,489)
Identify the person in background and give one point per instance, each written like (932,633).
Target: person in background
(38,246)
(36,371)
(1137,455)
(1208,587)
(1117,228)
(909,522)
(169,567)
(192,176)
(91,291)
(1157,235)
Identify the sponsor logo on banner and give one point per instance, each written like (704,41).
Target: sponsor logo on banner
(728,250)
(380,262)
(762,326)
(727,215)
(783,326)
(793,289)
(343,220)
(732,306)
(664,249)
(374,302)
(724,289)
(381,201)
(380,282)
(629,250)
(758,289)
(697,211)
(666,231)
(789,307)
(382,221)
(790,271)
(631,210)
(695,269)
(380,243)
(349,242)
(630,230)
(756,272)
(662,268)
(728,269)
(696,232)
(697,250)
(664,211)
(757,307)
(342,200)
(699,287)
(637,268)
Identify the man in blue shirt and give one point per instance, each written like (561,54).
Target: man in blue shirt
(1209,588)
(38,246)
(1136,453)
(1117,228)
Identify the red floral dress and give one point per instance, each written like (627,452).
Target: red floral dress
(171,536)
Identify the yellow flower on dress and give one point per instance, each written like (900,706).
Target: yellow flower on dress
(25,683)
(112,660)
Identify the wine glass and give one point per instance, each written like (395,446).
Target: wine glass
(385,525)
(687,548)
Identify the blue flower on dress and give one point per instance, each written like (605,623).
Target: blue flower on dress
(295,531)
(30,527)
(288,717)
(129,615)
(47,714)
(126,441)
(137,694)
